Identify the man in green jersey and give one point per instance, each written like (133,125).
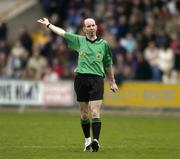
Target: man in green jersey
(94,58)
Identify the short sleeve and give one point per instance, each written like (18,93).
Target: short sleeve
(108,56)
(72,40)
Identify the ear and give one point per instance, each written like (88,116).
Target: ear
(96,27)
(84,29)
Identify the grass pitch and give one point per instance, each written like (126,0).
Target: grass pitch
(58,135)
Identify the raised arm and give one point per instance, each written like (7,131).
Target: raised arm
(52,27)
(110,74)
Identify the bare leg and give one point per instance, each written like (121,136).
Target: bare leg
(95,108)
(84,110)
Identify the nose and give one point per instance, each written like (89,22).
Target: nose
(92,27)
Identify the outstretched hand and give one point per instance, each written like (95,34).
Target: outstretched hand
(44,21)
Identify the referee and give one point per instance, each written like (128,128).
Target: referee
(94,55)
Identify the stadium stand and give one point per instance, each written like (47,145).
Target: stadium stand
(144,37)
(10,9)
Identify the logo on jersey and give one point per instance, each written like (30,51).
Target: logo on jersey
(82,53)
(99,56)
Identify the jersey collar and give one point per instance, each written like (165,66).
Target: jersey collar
(92,41)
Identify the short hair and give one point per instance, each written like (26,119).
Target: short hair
(86,20)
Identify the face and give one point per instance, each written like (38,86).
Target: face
(90,27)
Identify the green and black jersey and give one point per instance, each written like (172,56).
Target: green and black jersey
(93,57)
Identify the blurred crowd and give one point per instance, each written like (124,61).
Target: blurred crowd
(144,36)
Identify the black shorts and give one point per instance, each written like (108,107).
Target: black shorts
(88,87)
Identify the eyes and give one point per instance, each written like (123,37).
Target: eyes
(89,26)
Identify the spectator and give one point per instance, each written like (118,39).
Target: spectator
(129,43)
(130,25)
(151,55)
(4,47)
(29,74)
(3,31)
(25,38)
(143,71)
(2,64)
(49,75)
(16,61)
(166,59)
(37,62)
(18,50)
(119,67)
(57,67)
(170,77)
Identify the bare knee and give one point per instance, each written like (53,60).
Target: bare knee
(84,110)
(95,113)
(95,108)
(84,116)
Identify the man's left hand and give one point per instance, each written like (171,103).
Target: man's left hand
(113,86)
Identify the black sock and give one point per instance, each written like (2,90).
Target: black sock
(96,128)
(86,127)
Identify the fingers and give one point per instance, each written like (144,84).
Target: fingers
(39,20)
(42,21)
(114,89)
